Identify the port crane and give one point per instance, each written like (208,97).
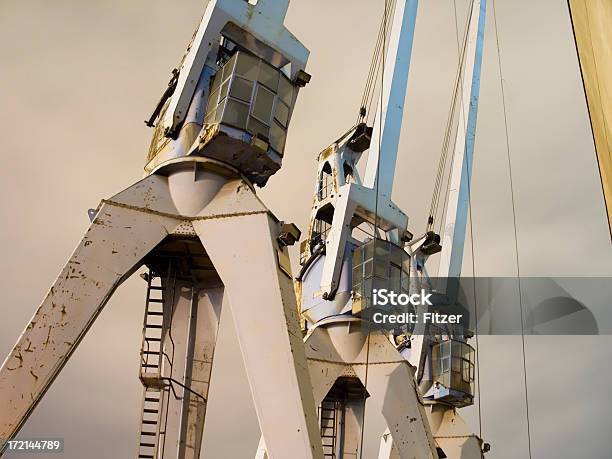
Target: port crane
(358,241)
(209,242)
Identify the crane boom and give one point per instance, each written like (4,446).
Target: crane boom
(380,168)
(461,170)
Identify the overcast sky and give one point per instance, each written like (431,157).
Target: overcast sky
(77,80)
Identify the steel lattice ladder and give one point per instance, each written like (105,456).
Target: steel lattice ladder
(329,428)
(152,356)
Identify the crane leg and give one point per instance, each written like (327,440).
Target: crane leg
(112,248)
(390,383)
(244,250)
(321,356)
(452,434)
(189,344)
(324,363)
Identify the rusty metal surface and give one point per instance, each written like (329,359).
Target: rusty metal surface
(112,248)
(256,164)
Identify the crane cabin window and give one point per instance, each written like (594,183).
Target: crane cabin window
(326,182)
(321,225)
(250,94)
(453,363)
(379,264)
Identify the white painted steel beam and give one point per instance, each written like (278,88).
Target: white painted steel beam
(374,197)
(336,349)
(240,236)
(393,392)
(194,329)
(452,434)
(453,238)
(113,247)
(380,168)
(243,250)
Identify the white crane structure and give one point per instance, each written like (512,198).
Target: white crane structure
(209,242)
(404,376)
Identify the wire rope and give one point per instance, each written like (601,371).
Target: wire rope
(516,248)
(376,196)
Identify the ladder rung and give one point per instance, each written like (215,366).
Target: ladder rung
(151,399)
(144,421)
(151,352)
(156,300)
(154,326)
(153,339)
(146,456)
(149,365)
(148,433)
(328,419)
(156,287)
(148,445)
(150,410)
(154,313)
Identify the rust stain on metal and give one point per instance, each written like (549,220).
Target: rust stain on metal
(326,153)
(48,336)
(210,130)
(182,217)
(19,357)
